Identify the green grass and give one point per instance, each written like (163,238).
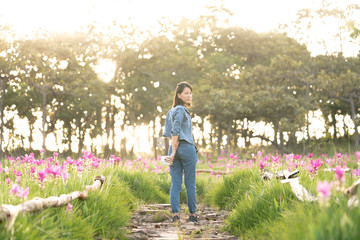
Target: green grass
(259,209)
(232,189)
(269,210)
(104,213)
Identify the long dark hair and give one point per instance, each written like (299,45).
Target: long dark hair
(179,89)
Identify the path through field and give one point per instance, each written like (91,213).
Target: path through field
(154,222)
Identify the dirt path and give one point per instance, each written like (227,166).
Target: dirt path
(155,222)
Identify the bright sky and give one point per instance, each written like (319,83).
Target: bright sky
(68,15)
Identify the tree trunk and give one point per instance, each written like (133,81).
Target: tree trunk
(81,137)
(1,115)
(307,127)
(43,117)
(155,138)
(219,139)
(281,139)
(114,112)
(211,139)
(202,128)
(107,122)
(245,133)
(30,136)
(228,136)
(276,130)
(334,125)
(353,117)
(69,137)
(292,139)
(123,151)
(235,140)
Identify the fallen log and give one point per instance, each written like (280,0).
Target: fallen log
(351,193)
(300,192)
(9,213)
(285,174)
(332,169)
(213,171)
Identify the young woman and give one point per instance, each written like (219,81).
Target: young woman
(182,151)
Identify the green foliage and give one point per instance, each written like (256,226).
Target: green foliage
(104,213)
(143,186)
(233,189)
(269,209)
(309,221)
(55,223)
(261,205)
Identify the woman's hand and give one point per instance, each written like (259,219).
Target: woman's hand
(170,159)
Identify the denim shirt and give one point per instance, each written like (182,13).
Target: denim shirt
(178,123)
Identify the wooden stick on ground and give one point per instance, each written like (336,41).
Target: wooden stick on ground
(9,213)
(351,193)
(299,190)
(209,171)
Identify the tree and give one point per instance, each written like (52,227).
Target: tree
(339,79)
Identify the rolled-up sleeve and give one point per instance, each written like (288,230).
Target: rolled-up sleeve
(168,126)
(178,118)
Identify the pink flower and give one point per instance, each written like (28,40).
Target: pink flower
(32,169)
(18,180)
(339,173)
(94,164)
(316,164)
(56,154)
(18,173)
(310,155)
(80,168)
(275,159)
(7,180)
(210,165)
(54,170)
(23,193)
(42,175)
(218,175)
(1,169)
(323,189)
(69,207)
(87,155)
(65,175)
(355,172)
(262,164)
(42,151)
(289,156)
(14,189)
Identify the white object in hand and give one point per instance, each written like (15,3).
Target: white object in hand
(163,160)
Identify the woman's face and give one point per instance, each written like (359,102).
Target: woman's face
(186,95)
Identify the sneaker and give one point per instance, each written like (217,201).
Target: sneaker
(176,218)
(193,218)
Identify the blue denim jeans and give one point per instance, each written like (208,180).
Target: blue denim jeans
(184,162)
